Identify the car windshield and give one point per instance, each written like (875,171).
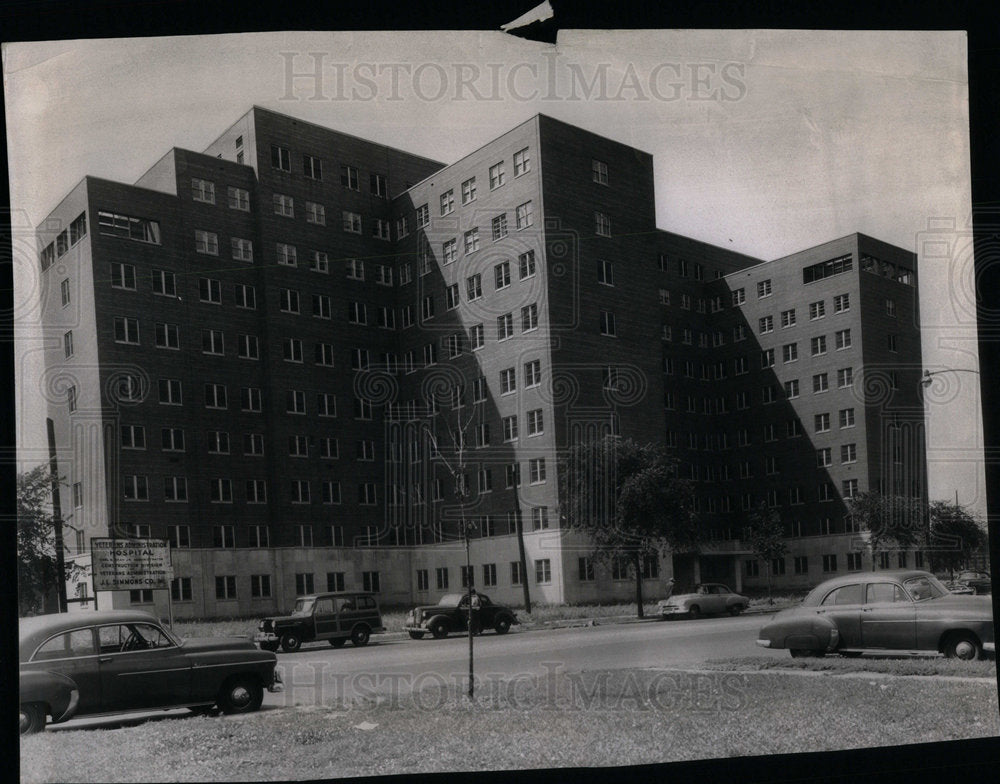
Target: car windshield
(925,587)
(303,606)
(450,600)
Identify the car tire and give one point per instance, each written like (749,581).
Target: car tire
(290,642)
(338,642)
(439,630)
(416,635)
(694,612)
(241,695)
(963,646)
(735,609)
(32,718)
(360,636)
(502,625)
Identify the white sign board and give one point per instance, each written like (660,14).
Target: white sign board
(130,564)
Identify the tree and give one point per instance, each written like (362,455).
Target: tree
(37,565)
(766,536)
(955,536)
(627,498)
(890,520)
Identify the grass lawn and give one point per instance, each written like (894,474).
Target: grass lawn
(595,718)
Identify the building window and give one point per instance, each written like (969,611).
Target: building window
(239,199)
(331,495)
(536,470)
(122,276)
(767,358)
(764,289)
(260,586)
(524,215)
(447,202)
(349,177)
(210,290)
(164,283)
(522,162)
(250,399)
(141,596)
(499,224)
(845,377)
(792,389)
(848,453)
(170,392)
(351,222)
(543,570)
(841,303)
(501,275)
(288,301)
(765,324)
(379,185)
(843,339)
(820,383)
(891,339)
(370,582)
(505,326)
(304,584)
(602,224)
(126,330)
(599,171)
(137,229)
(789,352)
(469,190)
(535,424)
(212,342)
(829,563)
(608,323)
(380,229)
(846,416)
(849,488)
(821,423)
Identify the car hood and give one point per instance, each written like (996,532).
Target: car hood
(285,619)
(434,608)
(198,644)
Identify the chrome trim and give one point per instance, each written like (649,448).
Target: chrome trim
(153,672)
(764,643)
(990,647)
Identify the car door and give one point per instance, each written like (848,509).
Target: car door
(888,618)
(325,618)
(141,667)
(717,596)
(347,613)
(73,654)
(843,606)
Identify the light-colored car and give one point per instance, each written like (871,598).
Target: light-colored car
(113,661)
(705,599)
(906,611)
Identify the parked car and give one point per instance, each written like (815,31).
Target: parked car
(979,582)
(705,599)
(113,661)
(451,614)
(335,617)
(883,611)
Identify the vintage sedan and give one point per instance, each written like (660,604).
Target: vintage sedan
(113,661)
(705,599)
(451,614)
(904,611)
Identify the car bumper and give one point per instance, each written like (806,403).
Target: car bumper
(415,629)
(671,611)
(764,643)
(277,686)
(990,647)
(265,637)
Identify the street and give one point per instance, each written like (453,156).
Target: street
(393,667)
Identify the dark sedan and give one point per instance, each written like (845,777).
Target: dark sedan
(904,611)
(87,663)
(451,614)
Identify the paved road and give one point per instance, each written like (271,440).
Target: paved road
(393,668)
(397,666)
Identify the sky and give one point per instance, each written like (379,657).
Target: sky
(765,142)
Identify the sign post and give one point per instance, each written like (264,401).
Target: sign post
(132,564)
